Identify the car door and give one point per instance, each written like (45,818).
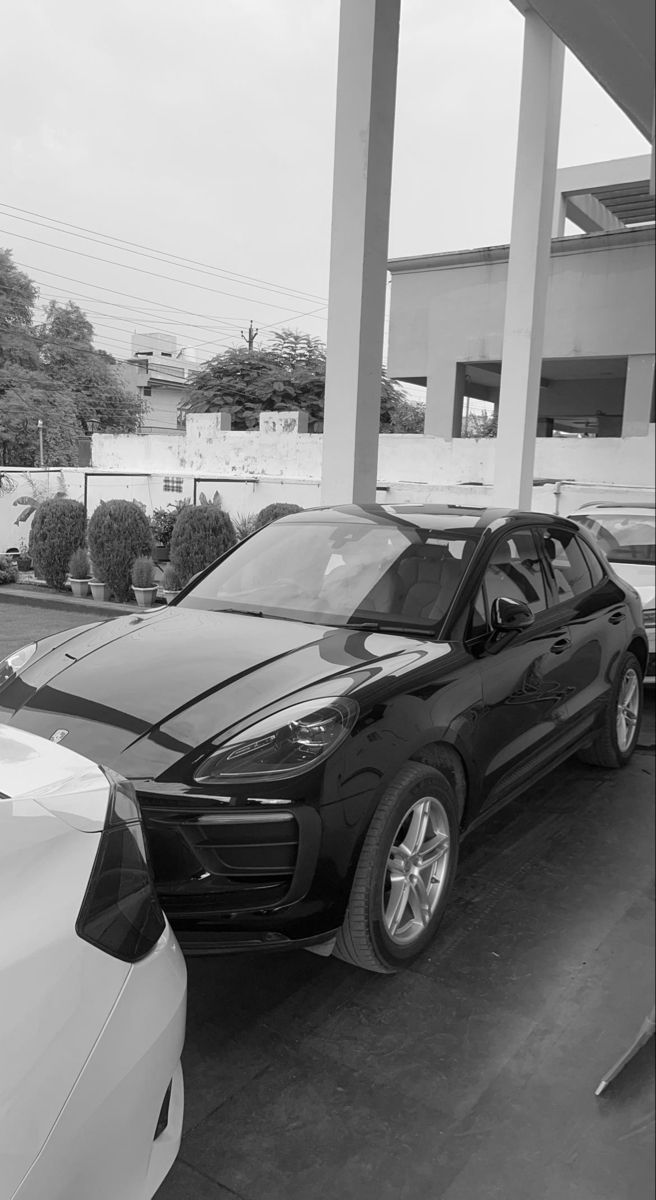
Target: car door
(525,677)
(590,604)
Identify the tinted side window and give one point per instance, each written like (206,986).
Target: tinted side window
(569,568)
(515,571)
(596,570)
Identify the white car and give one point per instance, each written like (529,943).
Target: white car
(92,986)
(625,533)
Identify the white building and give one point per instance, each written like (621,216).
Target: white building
(159,373)
(597,374)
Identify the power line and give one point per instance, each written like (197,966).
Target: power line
(141,270)
(165,255)
(116,292)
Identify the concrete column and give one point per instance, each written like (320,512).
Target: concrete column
(364,135)
(528,266)
(638,395)
(445,390)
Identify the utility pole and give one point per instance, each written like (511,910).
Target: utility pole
(39,426)
(252,334)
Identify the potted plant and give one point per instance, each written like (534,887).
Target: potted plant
(170,583)
(24,559)
(79,572)
(143,581)
(162,522)
(99,589)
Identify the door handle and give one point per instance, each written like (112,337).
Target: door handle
(616,617)
(561,645)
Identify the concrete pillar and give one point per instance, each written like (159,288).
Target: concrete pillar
(638,395)
(528,266)
(364,135)
(445,390)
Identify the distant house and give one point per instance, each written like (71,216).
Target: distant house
(158,372)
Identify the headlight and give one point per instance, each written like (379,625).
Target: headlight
(12,666)
(283,745)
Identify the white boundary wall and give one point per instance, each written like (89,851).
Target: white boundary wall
(250,470)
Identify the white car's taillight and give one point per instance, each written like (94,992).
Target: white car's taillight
(120,913)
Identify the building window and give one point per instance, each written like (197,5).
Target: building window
(147,391)
(172,483)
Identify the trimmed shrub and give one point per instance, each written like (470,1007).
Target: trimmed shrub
(59,527)
(143,573)
(200,535)
(78,567)
(8,569)
(119,532)
(170,579)
(273,512)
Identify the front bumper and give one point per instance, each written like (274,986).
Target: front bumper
(238,873)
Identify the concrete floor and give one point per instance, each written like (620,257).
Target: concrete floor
(470,1076)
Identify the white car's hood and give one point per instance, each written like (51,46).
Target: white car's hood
(60,780)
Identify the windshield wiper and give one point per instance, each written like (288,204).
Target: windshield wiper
(389,627)
(242,612)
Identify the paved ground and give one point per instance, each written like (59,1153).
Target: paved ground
(470,1076)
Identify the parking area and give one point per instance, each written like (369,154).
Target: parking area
(472,1074)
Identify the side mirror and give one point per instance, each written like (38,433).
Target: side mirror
(510,616)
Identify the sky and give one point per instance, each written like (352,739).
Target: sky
(204,132)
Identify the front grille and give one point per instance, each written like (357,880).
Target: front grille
(214,861)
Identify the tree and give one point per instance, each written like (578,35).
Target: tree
(65,340)
(52,373)
(289,374)
(480,425)
(27,394)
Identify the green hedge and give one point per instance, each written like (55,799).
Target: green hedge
(119,533)
(273,512)
(200,535)
(58,529)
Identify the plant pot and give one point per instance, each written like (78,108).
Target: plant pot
(145,596)
(170,595)
(79,587)
(99,591)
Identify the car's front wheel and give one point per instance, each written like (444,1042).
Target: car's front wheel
(404,874)
(617,739)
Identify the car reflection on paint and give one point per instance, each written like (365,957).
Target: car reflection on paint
(321,716)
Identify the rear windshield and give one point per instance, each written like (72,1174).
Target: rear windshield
(624,537)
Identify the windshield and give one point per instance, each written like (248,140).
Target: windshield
(624,537)
(358,574)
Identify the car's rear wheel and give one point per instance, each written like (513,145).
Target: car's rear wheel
(617,739)
(405,872)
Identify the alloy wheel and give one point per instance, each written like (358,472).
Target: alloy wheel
(417,870)
(628,710)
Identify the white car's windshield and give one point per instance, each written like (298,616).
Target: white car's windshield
(341,574)
(623,536)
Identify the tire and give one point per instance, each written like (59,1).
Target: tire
(394,911)
(618,737)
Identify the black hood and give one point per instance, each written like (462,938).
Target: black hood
(138,693)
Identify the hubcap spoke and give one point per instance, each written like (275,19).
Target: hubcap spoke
(420,901)
(397,903)
(432,852)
